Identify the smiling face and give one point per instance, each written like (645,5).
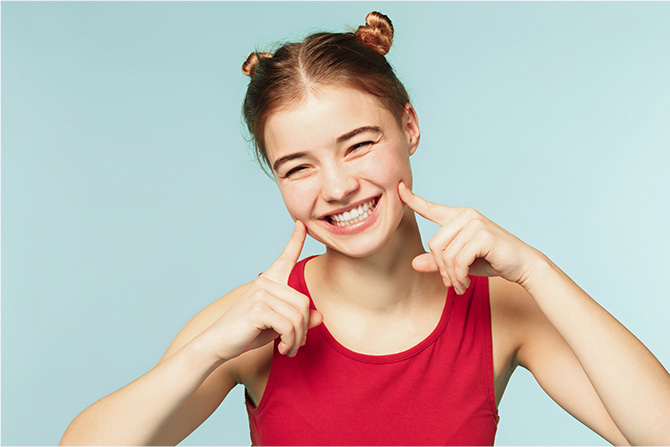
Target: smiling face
(338,157)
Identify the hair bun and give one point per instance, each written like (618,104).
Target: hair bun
(249,66)
(377,33)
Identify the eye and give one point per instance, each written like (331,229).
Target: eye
(293,171)
(359,146)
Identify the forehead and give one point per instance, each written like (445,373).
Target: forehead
(319,118)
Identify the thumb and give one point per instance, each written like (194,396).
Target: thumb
(425,263)
(315,319)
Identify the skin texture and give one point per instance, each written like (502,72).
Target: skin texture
(333,174)
(541,320)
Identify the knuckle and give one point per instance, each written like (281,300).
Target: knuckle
(462,262)
(258,308)
(484,235)
(461,267)
(289,332)
(284,327)
(446,258)
(258,294)
(481,221)
(470,213)
(304,302)
(264,294)
(262,281)
(479,225)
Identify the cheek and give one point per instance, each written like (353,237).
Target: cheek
(299,198)
(387,169)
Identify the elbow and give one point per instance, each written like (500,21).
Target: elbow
(70,437)
(79,433)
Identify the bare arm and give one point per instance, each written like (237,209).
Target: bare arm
(631,384)
(187,385)
(209,395)
(542,351)
(137,413)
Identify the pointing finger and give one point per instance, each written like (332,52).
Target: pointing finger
(281,268)
(437,213)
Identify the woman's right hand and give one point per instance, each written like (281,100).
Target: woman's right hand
(267,309)
(167,403)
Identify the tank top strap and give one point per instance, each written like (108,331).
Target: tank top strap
(296,279)
(440,395)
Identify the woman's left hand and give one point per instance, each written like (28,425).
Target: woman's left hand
(468,243)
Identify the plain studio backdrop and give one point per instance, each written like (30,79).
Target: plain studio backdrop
(130,199)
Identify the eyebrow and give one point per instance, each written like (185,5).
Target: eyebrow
(285,158)
(355,132)
(342,138)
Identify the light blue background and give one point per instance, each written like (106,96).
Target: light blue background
(130,200)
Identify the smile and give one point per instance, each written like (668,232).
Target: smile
(353,215)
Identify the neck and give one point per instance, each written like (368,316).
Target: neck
(382,282)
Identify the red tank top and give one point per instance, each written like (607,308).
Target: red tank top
(439,392)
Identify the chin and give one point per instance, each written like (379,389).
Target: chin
(358,252)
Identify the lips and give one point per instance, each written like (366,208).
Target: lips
(354,218)
(353,214)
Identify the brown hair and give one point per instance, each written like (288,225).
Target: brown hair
(354,59)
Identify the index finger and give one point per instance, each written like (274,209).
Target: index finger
(282,267)
(432,211)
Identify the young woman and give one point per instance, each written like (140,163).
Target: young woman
(378,341)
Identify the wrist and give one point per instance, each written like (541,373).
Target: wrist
(539,268)
(203,353)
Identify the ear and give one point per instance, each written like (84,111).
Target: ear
(410,123)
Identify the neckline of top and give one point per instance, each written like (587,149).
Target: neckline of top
(380,358)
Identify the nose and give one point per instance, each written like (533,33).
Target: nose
(338,184)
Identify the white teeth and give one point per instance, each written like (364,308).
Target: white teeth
(354,215)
